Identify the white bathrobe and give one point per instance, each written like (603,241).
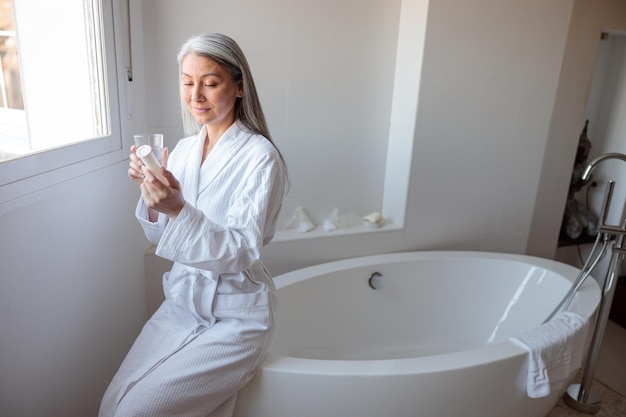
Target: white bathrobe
(206,340)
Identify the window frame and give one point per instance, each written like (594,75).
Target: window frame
(46,168)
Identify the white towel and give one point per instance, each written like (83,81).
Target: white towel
(556,350)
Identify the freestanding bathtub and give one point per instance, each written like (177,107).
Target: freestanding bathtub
(433,341)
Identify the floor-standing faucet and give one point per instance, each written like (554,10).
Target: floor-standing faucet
(580,396)
(587,173)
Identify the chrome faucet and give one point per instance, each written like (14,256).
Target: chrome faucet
(614,155)
(580,396)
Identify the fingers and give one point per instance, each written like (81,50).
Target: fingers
(153,190)
(133,175)
(159,197)
(158,179)
(164,155)
(171,179)
(135,170)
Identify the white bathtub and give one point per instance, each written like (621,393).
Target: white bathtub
(432,342)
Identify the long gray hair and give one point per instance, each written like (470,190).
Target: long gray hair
(227,53)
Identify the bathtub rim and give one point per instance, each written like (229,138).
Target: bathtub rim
(585,303)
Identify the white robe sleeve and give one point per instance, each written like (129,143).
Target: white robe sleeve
(153,231)
(193,239)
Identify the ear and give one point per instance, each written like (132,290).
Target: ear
(240,89)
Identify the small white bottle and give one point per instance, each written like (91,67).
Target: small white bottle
(145,153)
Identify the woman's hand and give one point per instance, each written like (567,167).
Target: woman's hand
(160,197)
(135,170)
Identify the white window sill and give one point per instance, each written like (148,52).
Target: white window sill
(16,193)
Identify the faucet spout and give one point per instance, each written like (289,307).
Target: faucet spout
(590,167)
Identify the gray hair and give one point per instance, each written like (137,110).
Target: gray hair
(227,53)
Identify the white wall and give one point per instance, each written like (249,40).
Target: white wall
(72,298)
(72,303)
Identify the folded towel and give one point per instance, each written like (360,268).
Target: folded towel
(555,351)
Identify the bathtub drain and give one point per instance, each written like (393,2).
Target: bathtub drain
(376,280)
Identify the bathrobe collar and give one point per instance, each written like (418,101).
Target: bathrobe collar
(198,175)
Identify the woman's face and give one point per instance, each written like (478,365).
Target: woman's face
(208,91)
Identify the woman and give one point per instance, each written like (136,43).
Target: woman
(225,186)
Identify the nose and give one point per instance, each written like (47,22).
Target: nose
(196,94)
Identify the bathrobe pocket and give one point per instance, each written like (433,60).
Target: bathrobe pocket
(246,320)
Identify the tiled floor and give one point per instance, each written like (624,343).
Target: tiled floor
(613,404)
(611,369)
(610,377)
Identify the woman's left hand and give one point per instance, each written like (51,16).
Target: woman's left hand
(164,198)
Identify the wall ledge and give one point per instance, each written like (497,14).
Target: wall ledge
(292,235)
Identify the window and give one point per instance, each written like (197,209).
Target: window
(12,115)
(57,85)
